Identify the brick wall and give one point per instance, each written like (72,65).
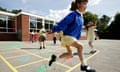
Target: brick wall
(23,27)
(8,37)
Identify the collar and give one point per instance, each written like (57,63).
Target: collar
(79,12)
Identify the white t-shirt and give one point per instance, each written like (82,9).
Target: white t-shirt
(42,32)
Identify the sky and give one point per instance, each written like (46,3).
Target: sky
(57,9)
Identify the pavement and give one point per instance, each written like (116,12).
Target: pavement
(16,56)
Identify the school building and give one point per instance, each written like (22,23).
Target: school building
(18,27)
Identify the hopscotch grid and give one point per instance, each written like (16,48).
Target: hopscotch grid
(11,57)
(49,59)
(8,64)
(30,53)
(8,51)
(17,56)
(86,59)
(30,63)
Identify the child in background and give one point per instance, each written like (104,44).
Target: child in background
(54,38)
(91,27)
(42,37)
(33,34)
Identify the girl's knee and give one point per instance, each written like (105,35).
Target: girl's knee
(78,45)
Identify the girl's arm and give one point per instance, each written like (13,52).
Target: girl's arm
(62,25)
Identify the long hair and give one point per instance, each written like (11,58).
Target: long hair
(74,4)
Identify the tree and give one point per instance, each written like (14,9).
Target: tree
(103,23)
(3,9)
(16,11)
(88,16)
(112,31)
(115,25)
(13,11)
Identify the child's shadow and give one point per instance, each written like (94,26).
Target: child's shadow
(30,48)
(74,54)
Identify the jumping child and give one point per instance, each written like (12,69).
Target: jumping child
(71,26)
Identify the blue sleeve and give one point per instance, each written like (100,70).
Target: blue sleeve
(62,25)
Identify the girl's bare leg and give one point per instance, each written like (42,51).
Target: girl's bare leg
(43,44)
(68,54)
(40,45)
(90,44)
(79,47)
(93,50)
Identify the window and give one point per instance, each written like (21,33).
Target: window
(35,24)
(51,25)
(7,24)
(48,24)
(39,24)
(11,24)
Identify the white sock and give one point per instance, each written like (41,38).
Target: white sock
(83,63)
(93,49)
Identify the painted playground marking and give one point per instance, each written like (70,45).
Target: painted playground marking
(86,59)
(48,59)
(15,56)
(24,59)
(13,45)
(8,51)
(14,69)
(43,68)
(29,63)
(8,64)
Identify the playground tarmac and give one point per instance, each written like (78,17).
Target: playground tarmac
(16,56)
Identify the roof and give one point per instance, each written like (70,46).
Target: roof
(6,13)
(25,13)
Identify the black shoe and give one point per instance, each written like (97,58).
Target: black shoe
(87,68)
(44,47)
(53,59)
(40,47)
(92,52)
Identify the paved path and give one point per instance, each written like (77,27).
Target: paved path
(27,57)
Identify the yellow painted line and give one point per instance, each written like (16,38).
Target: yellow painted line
(44,59)
(15,56)
(63,65)
(92,55)
(8,64)
(29,63)
(86,59)
(30,53)
(47,59)
(14,50)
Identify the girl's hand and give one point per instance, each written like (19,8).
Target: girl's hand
(49,31)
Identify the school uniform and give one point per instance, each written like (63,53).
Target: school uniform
(42,35)
(71,26)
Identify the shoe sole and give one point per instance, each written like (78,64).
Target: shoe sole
(53,59)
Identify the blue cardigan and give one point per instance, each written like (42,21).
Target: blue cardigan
(71,25)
